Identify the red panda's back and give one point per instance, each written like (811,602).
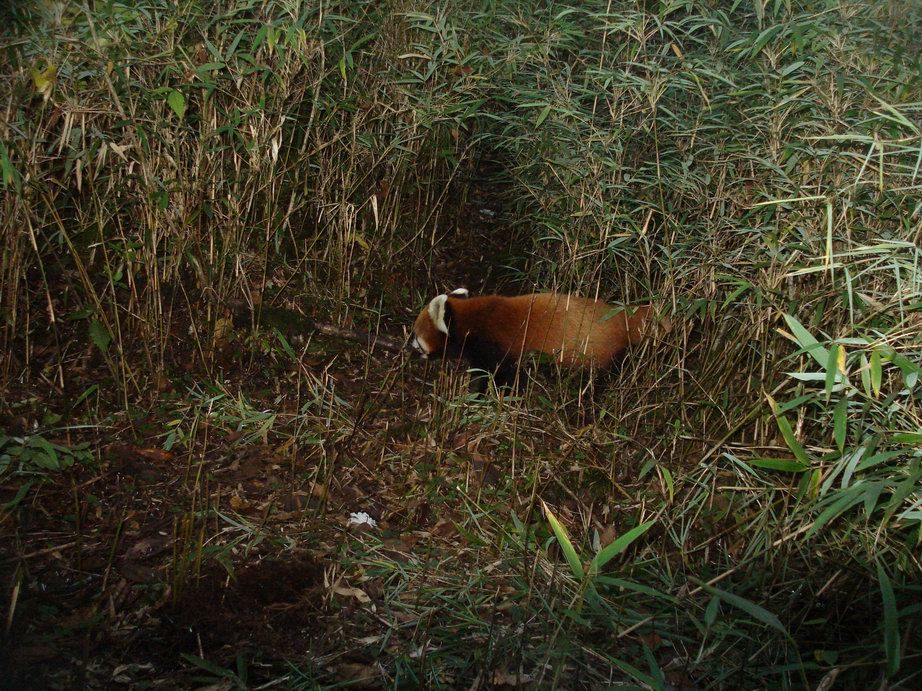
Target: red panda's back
(578,331)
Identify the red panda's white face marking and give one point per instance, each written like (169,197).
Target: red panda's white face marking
(437,313)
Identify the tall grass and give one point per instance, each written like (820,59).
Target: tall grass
(752,168)
(181,157)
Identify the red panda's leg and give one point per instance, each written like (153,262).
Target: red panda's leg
(484,354)
(505,373)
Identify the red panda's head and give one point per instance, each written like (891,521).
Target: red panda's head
(430,332)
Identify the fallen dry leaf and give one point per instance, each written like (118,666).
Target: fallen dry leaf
(357,593)
(607,536)
(501,677)
(156,455)
(359,675)
(148,546)
(238,503)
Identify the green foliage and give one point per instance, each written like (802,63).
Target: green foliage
(215,674)
(891,622)
(28,460)
(36,455)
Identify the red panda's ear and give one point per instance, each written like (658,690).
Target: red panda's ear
(437,311)
(459,293)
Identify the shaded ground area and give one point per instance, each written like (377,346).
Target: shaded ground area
(116,587)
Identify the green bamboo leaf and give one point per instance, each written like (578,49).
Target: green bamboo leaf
(782,464)
(670,482)
(832,364)
(876,373)
(710,612)
(764,38)
(632,671)
(86,394)
(810,484)
(367,38)
(883,457)
(896,115)
(846,499)
(46,455)
(177,102)
(209,667)
(806,340)
(751,608)
(569,552)
(911,371)
(799,452)
(635,587)
(519,526)
(735,294)
(871,495)
(656,672)
(851,464)
(99,335)
(902,490)
(259,37)
(542,116)
(289,351)
(233,45)
(9,176)
(840,423)
(615,548)
(908,437)
(20,495)
(866,376)
(891,622)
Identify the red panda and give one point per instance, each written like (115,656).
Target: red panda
(492,332)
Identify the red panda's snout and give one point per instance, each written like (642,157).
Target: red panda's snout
(417,346)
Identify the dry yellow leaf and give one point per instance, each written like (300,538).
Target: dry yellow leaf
(44,79)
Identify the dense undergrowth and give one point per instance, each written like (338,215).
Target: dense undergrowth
(740,507)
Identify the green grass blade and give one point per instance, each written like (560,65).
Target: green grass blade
(569,552)
(840,423)
(891,622)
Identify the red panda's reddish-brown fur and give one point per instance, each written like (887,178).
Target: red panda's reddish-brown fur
(492,332)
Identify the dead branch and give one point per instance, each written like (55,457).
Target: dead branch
(365,338)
